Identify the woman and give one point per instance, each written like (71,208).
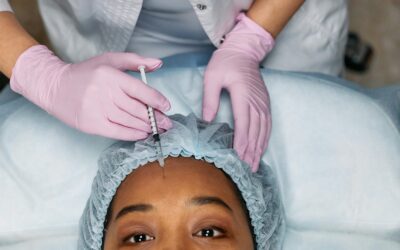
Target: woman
(81,95)
(204,198)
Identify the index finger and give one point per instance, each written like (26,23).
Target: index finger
(137,89)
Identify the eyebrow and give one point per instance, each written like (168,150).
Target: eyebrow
(209,200)
(134,208)
(197,201)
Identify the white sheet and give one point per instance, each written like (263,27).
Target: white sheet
(335,152)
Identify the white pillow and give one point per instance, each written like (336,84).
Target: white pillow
(335,152)
(337,157)
(46,169)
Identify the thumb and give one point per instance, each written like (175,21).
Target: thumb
(131,61)
(211,97)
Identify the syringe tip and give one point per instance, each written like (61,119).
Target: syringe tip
(161,161)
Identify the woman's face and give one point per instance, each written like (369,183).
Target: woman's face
(188,204)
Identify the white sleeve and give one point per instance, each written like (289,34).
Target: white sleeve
(5,6)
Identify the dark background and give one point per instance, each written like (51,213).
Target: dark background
(3,81)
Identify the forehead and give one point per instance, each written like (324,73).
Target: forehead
(181,177)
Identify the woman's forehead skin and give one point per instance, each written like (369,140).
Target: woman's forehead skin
(181,177)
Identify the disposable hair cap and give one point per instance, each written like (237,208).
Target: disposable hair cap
(189,137)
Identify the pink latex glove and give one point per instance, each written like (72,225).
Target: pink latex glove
(235,67)
(94,96)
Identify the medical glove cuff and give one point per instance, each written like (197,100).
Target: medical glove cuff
(250,38)
(33,74)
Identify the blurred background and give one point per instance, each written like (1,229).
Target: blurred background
(378,24)
(373,53)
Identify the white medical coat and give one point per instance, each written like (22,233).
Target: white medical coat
(313,40)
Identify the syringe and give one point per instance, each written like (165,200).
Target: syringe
(153,122)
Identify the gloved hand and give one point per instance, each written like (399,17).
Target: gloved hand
(235,67)
(94,96)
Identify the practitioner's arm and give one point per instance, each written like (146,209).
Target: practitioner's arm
(14,40)
(273,15)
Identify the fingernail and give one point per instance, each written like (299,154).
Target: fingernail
(248,160)
(255,166)
(240,150)
(207,119)
(156,65)
(166,124)
(207,116)
(166,106)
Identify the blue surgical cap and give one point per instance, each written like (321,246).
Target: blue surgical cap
(189,137)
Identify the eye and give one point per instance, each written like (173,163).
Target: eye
(210,233)
(139,238)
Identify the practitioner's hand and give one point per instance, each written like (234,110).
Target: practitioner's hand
(235,67)
(94,96)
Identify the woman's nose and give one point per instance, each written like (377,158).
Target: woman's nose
(178,242)
(175,246)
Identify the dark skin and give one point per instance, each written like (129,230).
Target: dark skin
(273,15)
(188,204)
